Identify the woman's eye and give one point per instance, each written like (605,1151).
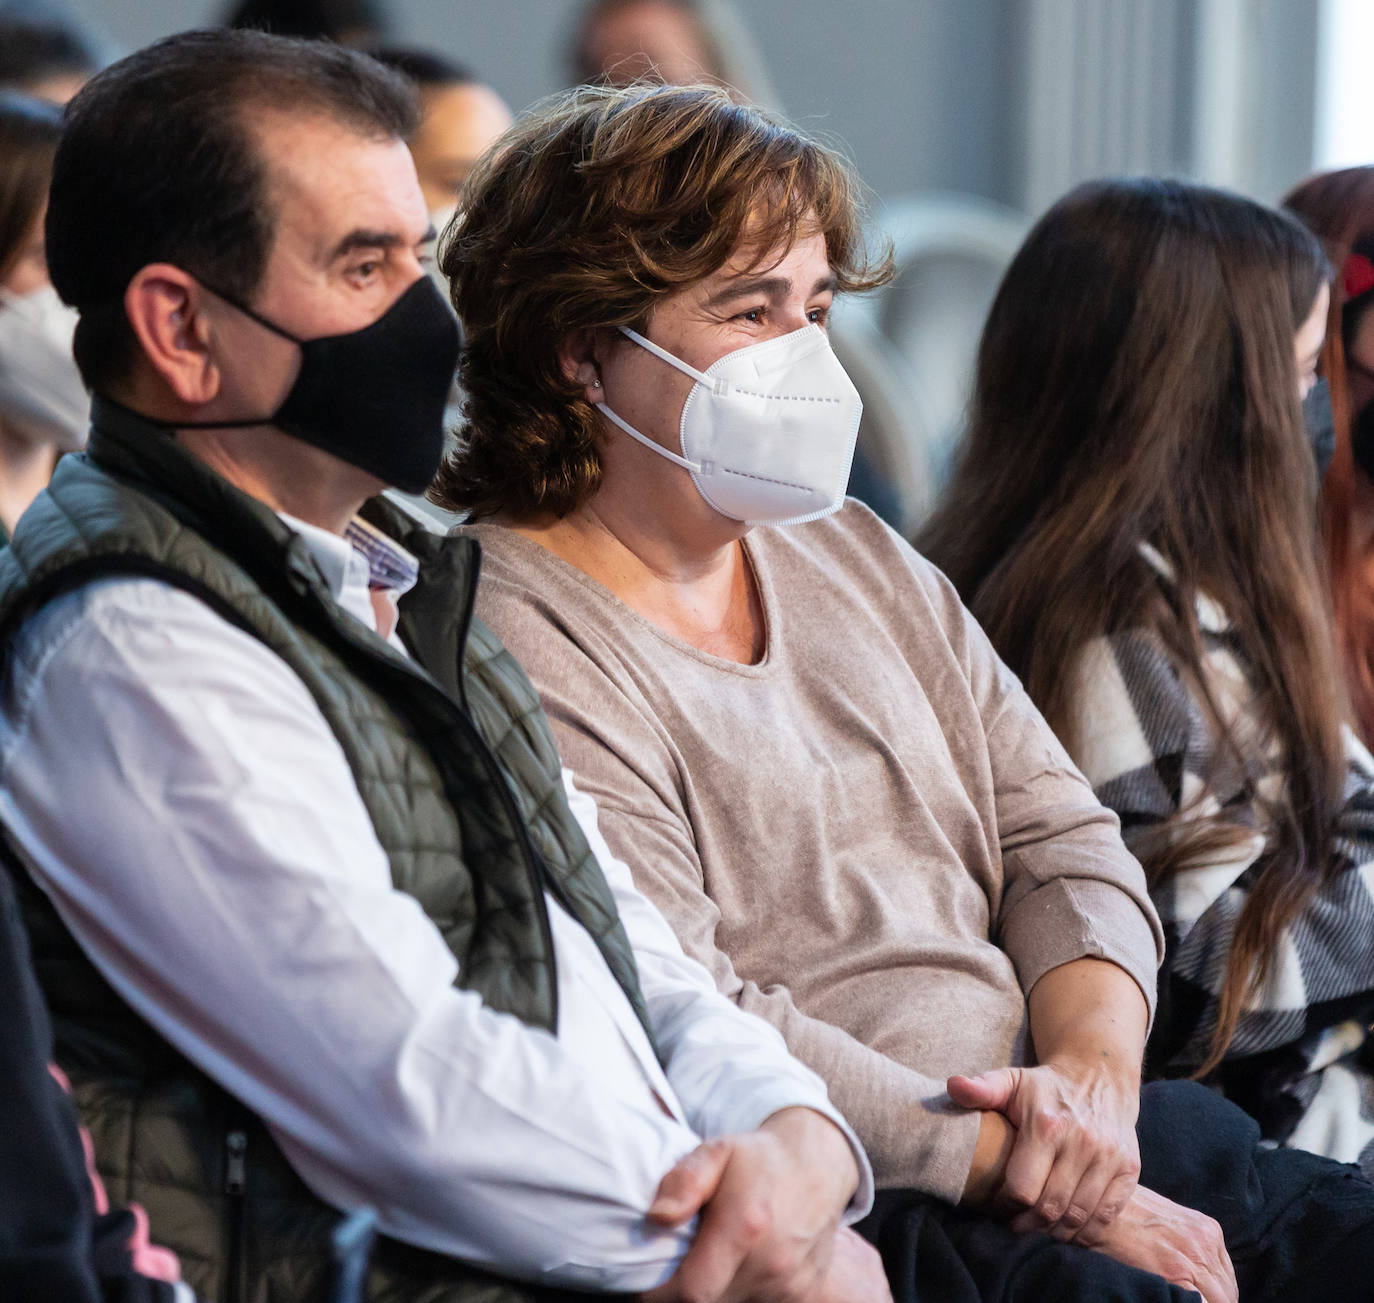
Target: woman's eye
(818,316)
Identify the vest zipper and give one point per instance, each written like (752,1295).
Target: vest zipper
(235,1184)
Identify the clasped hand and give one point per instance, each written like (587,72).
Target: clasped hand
(1073,1169)
(770,1204)
(1075,1160)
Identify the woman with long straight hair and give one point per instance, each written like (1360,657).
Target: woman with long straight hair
(1134,523)
(1339,208)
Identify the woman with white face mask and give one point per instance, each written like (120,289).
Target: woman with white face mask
(43,406)
(800,743)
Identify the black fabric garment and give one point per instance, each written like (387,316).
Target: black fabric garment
(1297,1226)
(53,1246)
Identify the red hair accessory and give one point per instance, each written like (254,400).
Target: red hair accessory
(1358,276)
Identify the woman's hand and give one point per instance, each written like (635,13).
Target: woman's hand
(1071,1159)
(1185,1247)
(1074,1161)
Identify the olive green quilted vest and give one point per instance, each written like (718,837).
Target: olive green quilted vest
(455,763)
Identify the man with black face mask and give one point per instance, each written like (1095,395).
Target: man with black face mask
(321,921)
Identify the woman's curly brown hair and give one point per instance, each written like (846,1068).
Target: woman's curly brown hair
(586,214)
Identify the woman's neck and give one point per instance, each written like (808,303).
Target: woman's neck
(699,588)
(25,469)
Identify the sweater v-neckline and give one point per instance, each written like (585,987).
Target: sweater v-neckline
(768,611)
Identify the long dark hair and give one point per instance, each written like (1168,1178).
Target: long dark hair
(1136,383)
(29,132)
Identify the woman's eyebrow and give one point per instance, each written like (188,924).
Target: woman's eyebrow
(770,286)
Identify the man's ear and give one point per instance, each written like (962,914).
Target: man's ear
(577,358)
(167,310)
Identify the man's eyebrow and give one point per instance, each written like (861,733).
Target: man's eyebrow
(365,239)
(767,285)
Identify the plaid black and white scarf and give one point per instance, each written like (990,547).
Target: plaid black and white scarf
(1302,1060)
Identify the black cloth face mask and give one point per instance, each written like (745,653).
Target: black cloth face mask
(1362,439)
(374,397)
(1317,417)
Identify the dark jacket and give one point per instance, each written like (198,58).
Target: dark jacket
(54,1245)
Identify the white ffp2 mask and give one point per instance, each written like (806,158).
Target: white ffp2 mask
(768,431)
(42,398)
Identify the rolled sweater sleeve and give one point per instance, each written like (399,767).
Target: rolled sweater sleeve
(1070,889)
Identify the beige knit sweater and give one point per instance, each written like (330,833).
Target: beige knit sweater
(870,837)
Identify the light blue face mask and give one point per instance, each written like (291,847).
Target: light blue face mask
(1321,425)
(768,431)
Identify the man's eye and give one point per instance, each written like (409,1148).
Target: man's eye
(818,316)
(366,270)
(751,315)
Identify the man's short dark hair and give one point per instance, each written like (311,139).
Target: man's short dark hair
(158,163)
(425,68)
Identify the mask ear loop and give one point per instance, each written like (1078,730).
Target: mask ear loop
(646,441)
(711,382)
(716,384)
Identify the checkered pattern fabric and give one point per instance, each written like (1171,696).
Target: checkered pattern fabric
(1298,1059)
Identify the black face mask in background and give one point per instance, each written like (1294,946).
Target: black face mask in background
(1320,423)
(1362,439)
(374,397)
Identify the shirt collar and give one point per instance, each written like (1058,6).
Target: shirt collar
(363,555)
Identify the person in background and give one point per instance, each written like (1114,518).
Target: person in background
(460,119)
(620,42)
(1339,208)
(60,1242)
(49,59)
(801,743)
(320,918)
(44,409)
(357,23)
(1133,520)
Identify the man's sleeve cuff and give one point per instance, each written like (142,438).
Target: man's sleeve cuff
(766,1103)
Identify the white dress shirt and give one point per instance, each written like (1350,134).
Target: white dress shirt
(177,793)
